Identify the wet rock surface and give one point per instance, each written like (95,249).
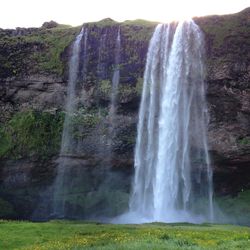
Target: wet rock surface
(228,95)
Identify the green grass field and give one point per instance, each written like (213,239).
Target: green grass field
(81,235)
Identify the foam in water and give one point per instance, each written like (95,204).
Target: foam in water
(173,177)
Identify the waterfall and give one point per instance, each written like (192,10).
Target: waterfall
(102,64)
(101,74)
(173,177)
(68,142)
(115,85)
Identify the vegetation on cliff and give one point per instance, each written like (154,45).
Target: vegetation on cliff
(33,51)
(31,133)
(224,27)
(29,130)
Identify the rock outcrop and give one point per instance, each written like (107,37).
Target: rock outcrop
(228,95)
(34,74)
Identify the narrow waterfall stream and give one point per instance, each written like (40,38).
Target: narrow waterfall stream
(68,143)
(115,85)
(173,177)
(69,186)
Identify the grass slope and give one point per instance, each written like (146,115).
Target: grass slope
(81,235)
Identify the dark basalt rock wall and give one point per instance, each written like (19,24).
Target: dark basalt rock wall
(34,73)
(228,95)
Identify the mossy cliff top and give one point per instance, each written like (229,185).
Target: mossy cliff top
(29,57)
(25,51)
(44,50)
(227,42)
(34,50)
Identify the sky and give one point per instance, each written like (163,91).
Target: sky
(32,13)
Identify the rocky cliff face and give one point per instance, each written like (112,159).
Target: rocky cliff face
(34,73)
(228,75)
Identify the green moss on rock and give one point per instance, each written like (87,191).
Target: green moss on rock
(31,133)
(37,51)
(105,88)
(125,91)
(83,121)
(244,141)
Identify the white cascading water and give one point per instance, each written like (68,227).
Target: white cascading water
(71,92)
(115,85)
(173,177)
(67,139)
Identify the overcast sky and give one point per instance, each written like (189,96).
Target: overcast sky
(32,13)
